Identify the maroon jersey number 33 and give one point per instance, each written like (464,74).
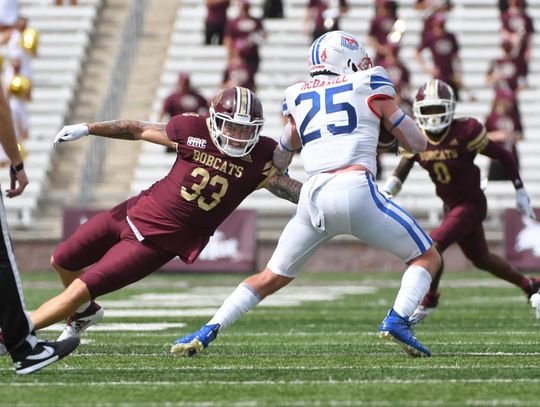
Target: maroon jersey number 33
(202,188)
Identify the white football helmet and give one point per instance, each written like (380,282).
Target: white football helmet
(434,106)
(236,120)
(338,52)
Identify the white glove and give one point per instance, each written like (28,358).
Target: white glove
(70,133)
(523,203)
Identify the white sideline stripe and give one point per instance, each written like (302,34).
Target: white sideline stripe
(306,368)
(124,327)
(196,312)
(319,354)
(214,296)
(155,312)
(275,382)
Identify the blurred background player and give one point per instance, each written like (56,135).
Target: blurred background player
(238,72)
(17,76)
(185,99)
(444,49)
(216,20)
(453,143)
(221,160)
(380,28)
(245,33)
(340,196)
(518,28)
(429,9)
(503,126)
(323,16)
(17,335)
(507,72)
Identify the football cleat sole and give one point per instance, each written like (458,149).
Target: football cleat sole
(410,350)
(187,349)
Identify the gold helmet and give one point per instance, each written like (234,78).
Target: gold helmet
(20,86)
(2,59)
(30,40)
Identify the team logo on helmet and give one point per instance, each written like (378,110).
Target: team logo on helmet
(349,43)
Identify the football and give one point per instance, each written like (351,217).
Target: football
(387,142)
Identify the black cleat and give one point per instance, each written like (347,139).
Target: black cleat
(44,354)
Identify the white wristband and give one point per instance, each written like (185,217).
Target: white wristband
(392,185)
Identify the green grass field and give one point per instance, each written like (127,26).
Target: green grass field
(314,344)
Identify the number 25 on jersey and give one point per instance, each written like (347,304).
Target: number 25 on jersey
(329,107)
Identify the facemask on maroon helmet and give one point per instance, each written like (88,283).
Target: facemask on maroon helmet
(434,106)
(236,119)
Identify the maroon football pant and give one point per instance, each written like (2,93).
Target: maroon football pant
(462,224)
(108,249)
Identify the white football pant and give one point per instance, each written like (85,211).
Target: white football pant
(345,203)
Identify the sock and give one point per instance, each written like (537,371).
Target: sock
(414,285)
(83,307)
(243,299)
(528,285)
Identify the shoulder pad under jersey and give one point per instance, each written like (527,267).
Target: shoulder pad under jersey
(378,81)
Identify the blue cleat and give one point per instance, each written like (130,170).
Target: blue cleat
(192,344)
(398,329)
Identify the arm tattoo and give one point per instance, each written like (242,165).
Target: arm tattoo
(284,187)
(123,129)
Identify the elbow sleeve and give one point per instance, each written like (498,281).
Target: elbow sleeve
(410,136)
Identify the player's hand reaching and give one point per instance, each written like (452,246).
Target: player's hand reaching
(71,133)
(523,203)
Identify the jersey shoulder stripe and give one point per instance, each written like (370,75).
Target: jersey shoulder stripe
(377,81)
(479,142)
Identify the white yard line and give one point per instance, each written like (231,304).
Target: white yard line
(273,382)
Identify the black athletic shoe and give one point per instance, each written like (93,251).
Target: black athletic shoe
(44,354)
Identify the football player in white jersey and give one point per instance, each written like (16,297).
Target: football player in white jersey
(335,119)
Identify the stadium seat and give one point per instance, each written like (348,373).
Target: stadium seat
(64,38)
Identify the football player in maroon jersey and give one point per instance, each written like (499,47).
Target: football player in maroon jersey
(449,159)
(444,48)
(221,160)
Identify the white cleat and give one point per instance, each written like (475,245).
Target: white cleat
(79,322)
(535,303)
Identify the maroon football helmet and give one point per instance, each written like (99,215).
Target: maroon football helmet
(434,106)
(236,119)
